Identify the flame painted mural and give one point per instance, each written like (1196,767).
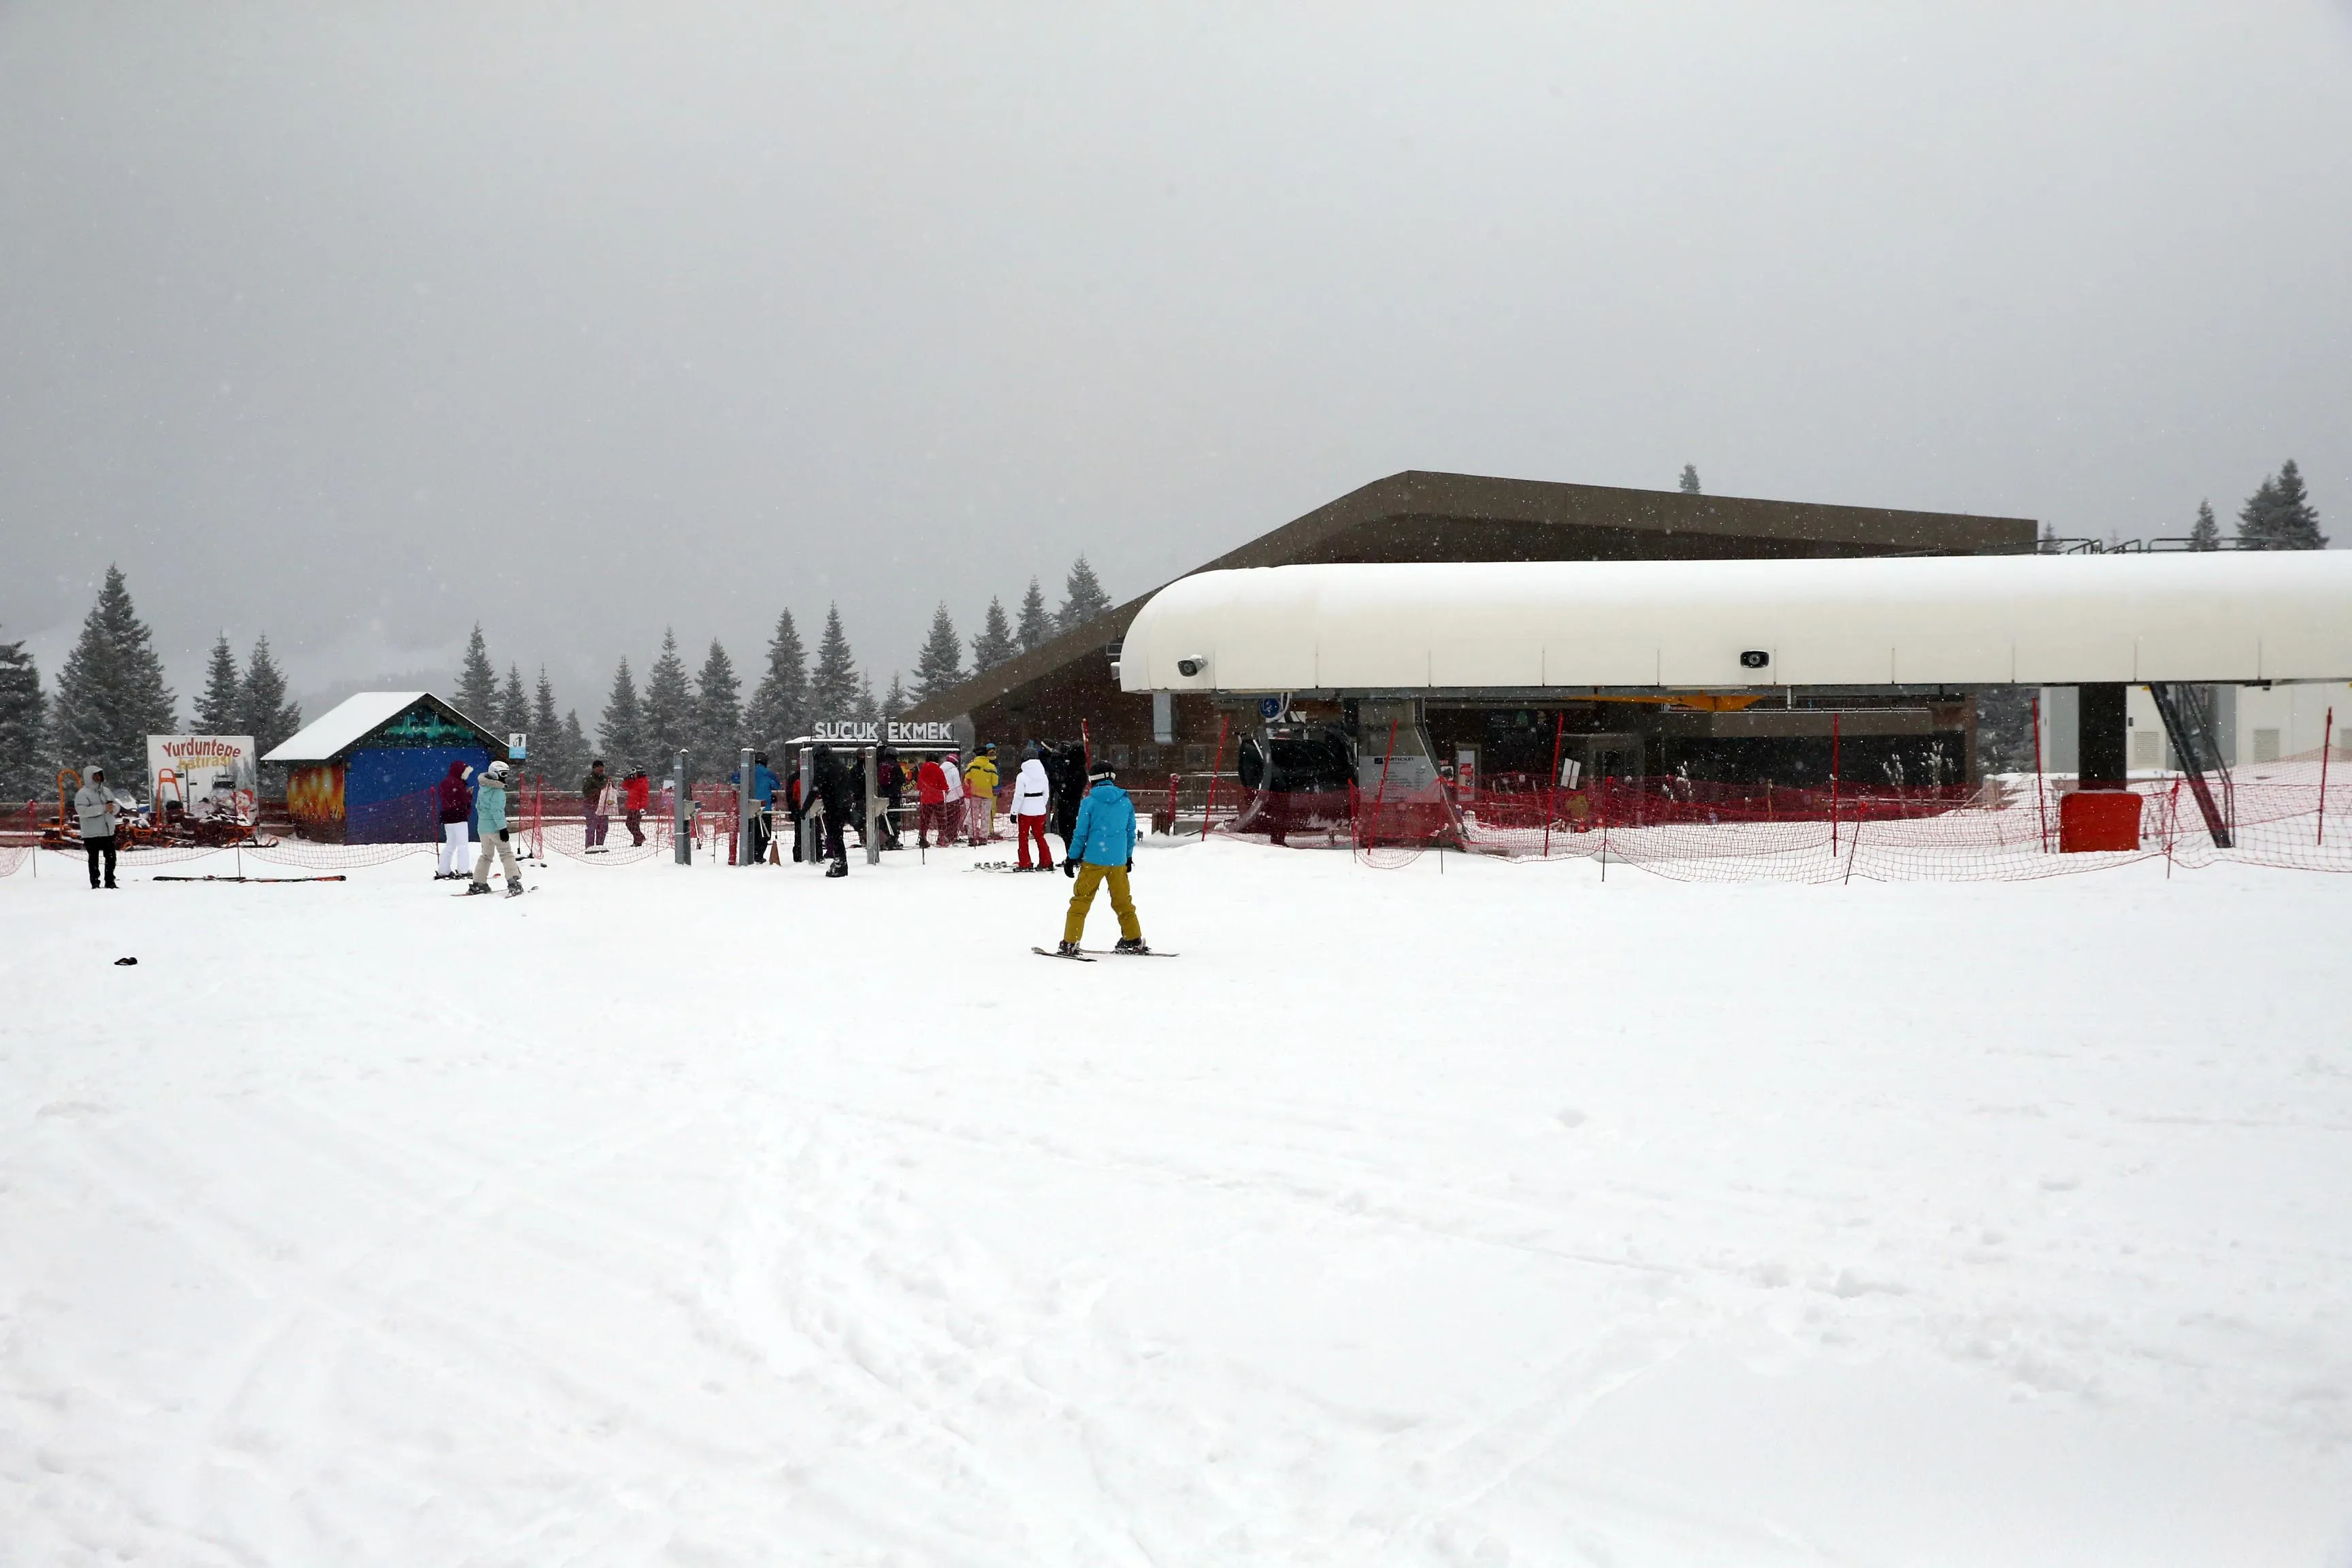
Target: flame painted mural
(314,798)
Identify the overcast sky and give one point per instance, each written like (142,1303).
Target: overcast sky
(358,324)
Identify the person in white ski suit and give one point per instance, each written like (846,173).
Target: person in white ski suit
(491,818)
(1032,793)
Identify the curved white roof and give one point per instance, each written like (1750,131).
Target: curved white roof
(2221,616)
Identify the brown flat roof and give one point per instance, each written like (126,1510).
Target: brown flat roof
(1421,516)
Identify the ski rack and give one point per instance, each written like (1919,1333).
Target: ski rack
(2190,726)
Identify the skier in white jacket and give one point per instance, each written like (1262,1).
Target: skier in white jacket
(1032,794)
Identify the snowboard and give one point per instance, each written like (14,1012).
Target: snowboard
(1073,957)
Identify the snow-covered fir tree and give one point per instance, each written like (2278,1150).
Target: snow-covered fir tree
(2205,534)
(216,709)
(834,687)
(477,682)
(994,643)
(939,667)
(576,747)
(895,700)
(621,728)
(111,693)
(2279,515)
(263,709)
(778,711)
(514,705)
(26,768)
(1082,597)
(669,706)
(865,709)
(718,716)
(552,751)
(1689,484)
(1035,627)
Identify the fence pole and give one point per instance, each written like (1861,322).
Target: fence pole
(2326,744)
(1605,785)
(1210,809)
(681,832)
(1834,782)
(2041,800)
(1551,790)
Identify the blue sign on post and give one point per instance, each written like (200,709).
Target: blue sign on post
(1269,707)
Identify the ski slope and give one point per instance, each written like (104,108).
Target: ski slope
(1467,1214)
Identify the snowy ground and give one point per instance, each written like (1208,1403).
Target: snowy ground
(1485,1215)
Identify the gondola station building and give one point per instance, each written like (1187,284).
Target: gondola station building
(1496,735)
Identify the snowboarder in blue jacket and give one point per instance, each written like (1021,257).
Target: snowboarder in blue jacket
(1102,850)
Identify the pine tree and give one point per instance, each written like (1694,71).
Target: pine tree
(1037,627)
(549,752)
(865,709)
(477,682)
(1690,480)
(895,700)
(833,690)
(621,728)
(1083,597)
(939,667)
(779,707)
(576,747)
(111,693)
(262,708)
(216,709)
(2279,515)
(718,716)
(994,643)
(2205,534)
(24,771)
(669,706)
(514,707)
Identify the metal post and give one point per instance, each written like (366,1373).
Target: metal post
(804,840)
(1551,790)
(2040,799)
(2326,744)
(747,806)
(873,807)
(681,836)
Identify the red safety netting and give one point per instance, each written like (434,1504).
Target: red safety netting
(2288,813)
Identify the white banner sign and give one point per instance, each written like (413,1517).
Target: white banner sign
(205,775)
(855,733)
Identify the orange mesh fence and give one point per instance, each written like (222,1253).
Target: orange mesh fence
(2289,815)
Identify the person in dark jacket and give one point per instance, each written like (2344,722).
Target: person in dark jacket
(1102,850)
(892,783)
(1066,772)
(453,806)
(835,793)
(597,808)
(95,809)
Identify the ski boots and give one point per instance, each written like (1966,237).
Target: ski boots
(474,888)
(1131,944)
(1065,950)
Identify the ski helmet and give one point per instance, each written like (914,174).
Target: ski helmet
(496,770)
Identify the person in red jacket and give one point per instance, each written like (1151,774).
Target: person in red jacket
(931,798)
(636,794)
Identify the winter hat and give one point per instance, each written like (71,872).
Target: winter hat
(1099,771)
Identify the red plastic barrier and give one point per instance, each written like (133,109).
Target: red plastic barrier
(2092,821)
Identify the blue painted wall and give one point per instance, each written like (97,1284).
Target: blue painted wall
(388,792)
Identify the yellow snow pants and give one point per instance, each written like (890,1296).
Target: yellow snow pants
(1082,899)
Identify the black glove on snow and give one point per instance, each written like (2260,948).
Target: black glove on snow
(1069,868)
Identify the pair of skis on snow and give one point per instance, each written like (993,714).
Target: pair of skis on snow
(1088,955)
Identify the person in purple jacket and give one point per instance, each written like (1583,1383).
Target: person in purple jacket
(454,803)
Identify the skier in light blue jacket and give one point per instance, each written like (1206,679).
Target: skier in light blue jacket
(491,818)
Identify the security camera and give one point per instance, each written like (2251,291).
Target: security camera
(1192,664)
(1754,658)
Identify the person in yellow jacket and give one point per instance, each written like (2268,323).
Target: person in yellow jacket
(980,795)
